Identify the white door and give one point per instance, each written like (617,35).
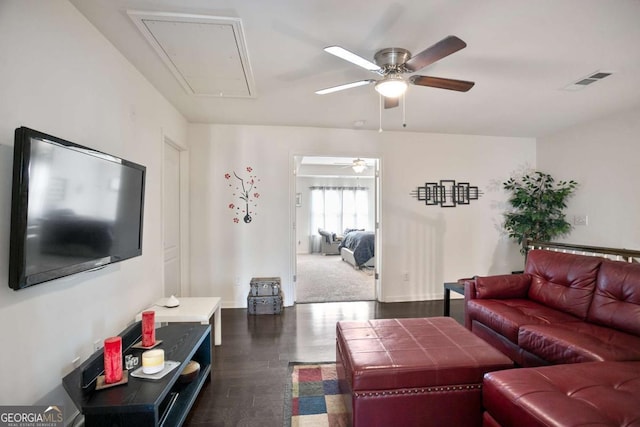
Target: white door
(171,207)
(377,222)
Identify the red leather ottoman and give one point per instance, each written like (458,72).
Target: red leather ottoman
(578,394)
(413,372)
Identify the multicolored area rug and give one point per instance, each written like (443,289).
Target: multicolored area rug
(314,396)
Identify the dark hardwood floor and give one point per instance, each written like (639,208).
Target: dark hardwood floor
(250,368)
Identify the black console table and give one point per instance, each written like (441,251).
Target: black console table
(456,287)
(142,402)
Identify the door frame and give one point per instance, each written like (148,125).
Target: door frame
(293,256)
(184,211)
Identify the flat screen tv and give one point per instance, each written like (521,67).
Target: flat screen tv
(73,209)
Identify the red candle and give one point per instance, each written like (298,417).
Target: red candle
(112,360)
(148,328)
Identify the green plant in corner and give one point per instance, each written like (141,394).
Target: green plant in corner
(538,203)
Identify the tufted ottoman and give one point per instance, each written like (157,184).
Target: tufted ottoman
(413,372)
(577,394)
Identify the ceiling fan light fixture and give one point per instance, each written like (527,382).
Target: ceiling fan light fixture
(359,165)
(391,87)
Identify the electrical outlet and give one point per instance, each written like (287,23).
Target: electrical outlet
(405,277)
(97,345)
(580,220)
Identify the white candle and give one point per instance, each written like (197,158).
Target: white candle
(153,361)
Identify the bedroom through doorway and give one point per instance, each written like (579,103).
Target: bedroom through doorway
(336,212)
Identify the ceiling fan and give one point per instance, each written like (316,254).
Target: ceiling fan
(392,63)
(358,165)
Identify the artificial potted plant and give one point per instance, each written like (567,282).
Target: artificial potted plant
(538,204)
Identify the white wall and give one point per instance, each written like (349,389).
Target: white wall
(430,244)
(604,158)
(60,76)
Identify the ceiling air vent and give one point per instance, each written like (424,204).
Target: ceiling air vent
(206,54)
(586,81)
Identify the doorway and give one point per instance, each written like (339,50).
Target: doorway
(174,218)
(336,199)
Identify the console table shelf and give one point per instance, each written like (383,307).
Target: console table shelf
(143,402)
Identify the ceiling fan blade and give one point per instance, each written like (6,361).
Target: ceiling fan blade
(343,53)
(391,102)
(444,47)
(344,86)
(441,83)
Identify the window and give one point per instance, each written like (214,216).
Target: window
(338,208)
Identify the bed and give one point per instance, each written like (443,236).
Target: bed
(358,248)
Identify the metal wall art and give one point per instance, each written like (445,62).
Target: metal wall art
(447,193)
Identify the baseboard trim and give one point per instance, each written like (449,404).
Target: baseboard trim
(412,298)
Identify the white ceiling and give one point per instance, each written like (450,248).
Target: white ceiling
(520,54)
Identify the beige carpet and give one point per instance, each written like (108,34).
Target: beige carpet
(329,279)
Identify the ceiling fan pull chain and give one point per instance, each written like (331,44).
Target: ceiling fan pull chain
(380,114)
(404,113)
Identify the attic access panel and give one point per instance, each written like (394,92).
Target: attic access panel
(206,54)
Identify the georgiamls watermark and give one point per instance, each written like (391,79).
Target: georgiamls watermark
(31,416)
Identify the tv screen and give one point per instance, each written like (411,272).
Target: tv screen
(73,209)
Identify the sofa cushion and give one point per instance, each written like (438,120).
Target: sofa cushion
(585,394)
(506,316)
(562,281)
(576,342)
(328,237)
(504,286)
(616,300)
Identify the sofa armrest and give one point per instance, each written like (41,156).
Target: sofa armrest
(500,287)
(469,288)
(494,287)
(469,294)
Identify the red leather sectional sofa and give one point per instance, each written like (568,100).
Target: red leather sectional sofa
(564,309)
(581,394)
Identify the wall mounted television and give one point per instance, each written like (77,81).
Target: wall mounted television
(73,209)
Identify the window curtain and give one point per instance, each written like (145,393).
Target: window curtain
(338,208)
